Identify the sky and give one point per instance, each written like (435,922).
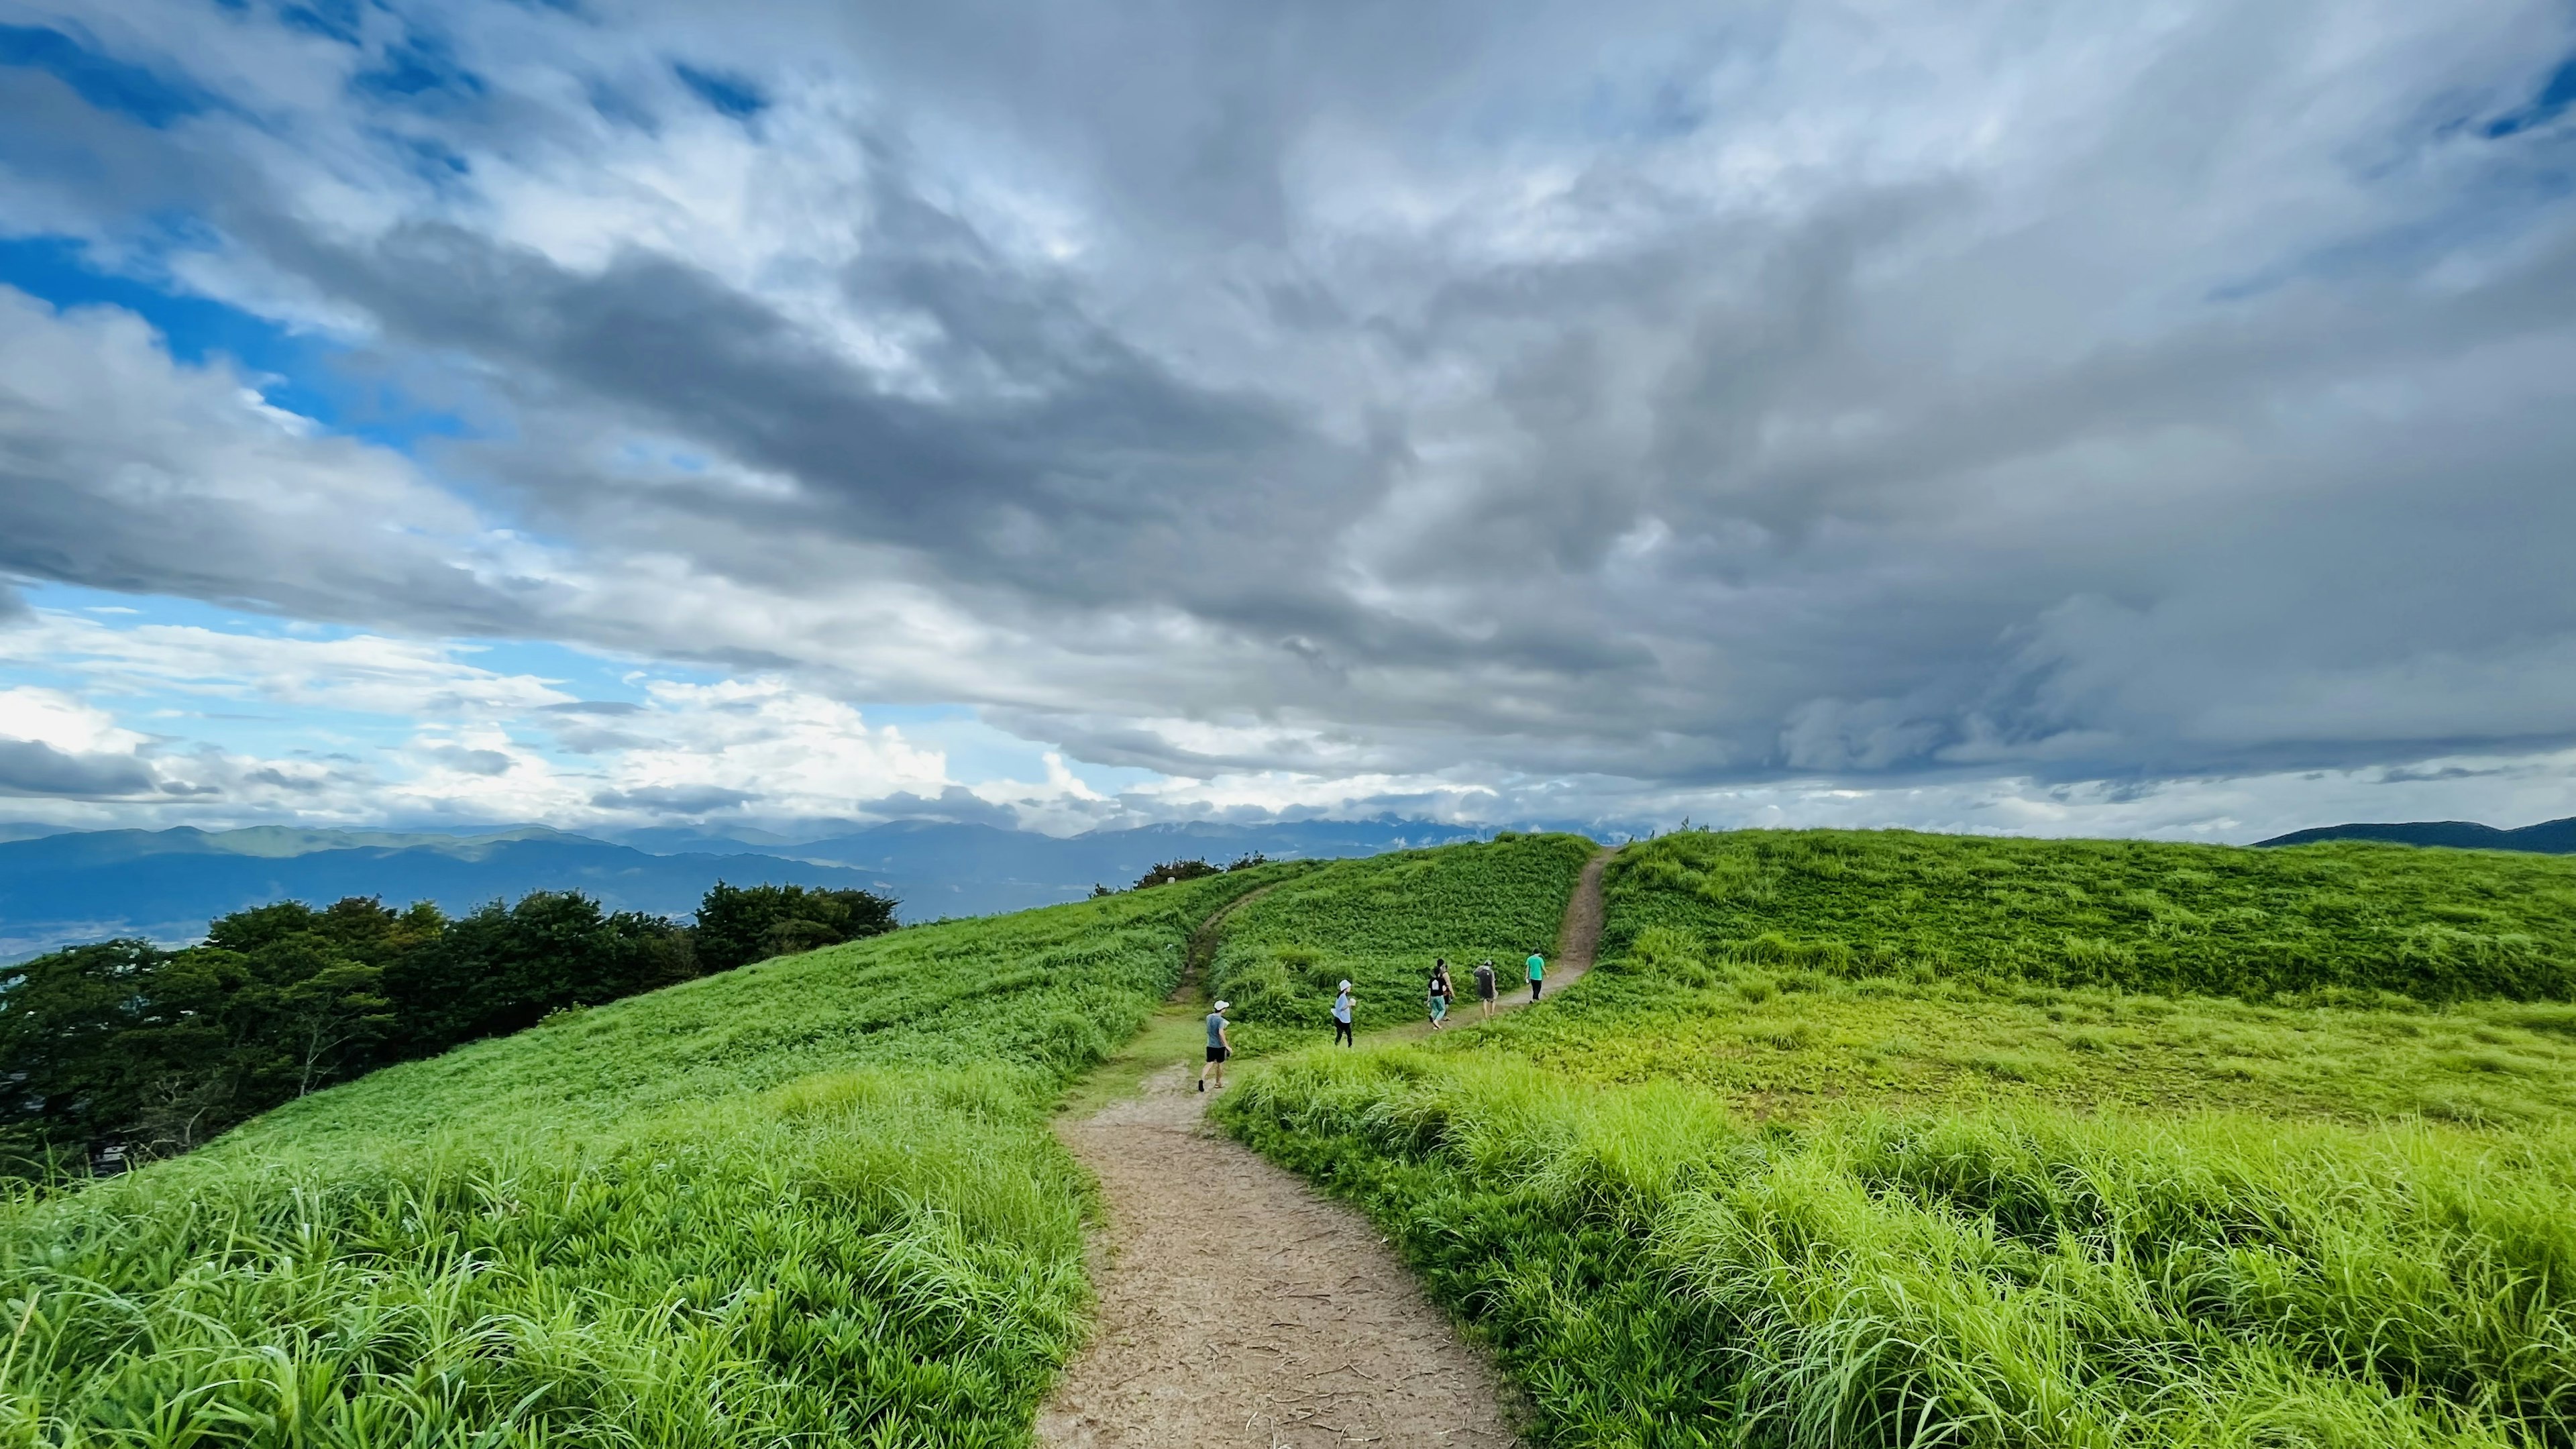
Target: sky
(2045,418)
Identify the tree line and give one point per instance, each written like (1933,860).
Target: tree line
(123,1050)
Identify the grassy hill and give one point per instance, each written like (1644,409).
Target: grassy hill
(1380,922)
(1860,1138)
(810,1200)
(1848,1139)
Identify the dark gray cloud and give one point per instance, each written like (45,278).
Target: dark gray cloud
(1619,393)
(470,761)
(32,767)
(955,805)
(680,800)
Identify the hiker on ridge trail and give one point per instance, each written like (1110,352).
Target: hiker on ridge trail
(1342,1016)
(1485,985)
(1440,993)
(1537,973)
(1220,1046)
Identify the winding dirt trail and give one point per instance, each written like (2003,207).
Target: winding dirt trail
(1240,1307)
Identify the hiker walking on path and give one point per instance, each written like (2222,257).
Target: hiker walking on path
(1220,1046)
(1537,973)
(1485,986)
(1342,1016)
(1440,993)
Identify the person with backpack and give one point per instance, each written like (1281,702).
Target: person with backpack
(1440,993)
(1485,986)
(1342,1016)
(1220,1046)
(1537,973)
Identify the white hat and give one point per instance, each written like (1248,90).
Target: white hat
(1222,1005)
(1346,986)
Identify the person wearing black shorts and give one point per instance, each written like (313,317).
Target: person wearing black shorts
(1219,1047)
(1485,985)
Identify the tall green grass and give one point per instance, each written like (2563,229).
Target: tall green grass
(2434,925)
(810,1201)
(1380,922)
(1657,1271)
(1883,1139)
(1787,1041)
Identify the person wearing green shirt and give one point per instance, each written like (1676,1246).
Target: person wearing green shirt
(1537,973)
(1220,1046)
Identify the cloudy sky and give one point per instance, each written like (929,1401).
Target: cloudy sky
(2152,419)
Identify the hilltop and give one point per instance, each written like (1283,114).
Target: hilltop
(1882,1138)
(2550,837)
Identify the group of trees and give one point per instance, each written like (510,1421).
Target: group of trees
(1168,871)
(131,1050)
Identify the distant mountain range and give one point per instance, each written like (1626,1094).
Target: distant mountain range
(58,887)
(2550,837)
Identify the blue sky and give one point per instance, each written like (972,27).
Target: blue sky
(1976,417)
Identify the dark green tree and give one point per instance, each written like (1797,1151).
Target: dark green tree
(742,924)
(503,968)
(124,1044)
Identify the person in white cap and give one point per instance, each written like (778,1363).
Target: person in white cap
(1342,1016)
(1219,1048)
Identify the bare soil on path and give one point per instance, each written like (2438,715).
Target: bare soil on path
(1240,1307)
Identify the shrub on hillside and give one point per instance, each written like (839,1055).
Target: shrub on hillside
(1175,870)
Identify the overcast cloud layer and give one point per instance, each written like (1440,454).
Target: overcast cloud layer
(2150,418)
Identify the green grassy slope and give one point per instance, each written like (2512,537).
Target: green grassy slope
(1844,1143)
(812,1200)
(2143,915)
(1380,922)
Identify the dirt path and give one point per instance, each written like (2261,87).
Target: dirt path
(1578,936)
(1580,933)
(1239,1307)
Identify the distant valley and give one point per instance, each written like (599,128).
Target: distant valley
(62,887)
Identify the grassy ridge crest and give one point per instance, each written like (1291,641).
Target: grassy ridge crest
(1859,1138)
(1381,921)
(2133,914)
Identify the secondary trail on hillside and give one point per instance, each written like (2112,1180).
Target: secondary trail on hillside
(1580,935)
(1240,1307)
